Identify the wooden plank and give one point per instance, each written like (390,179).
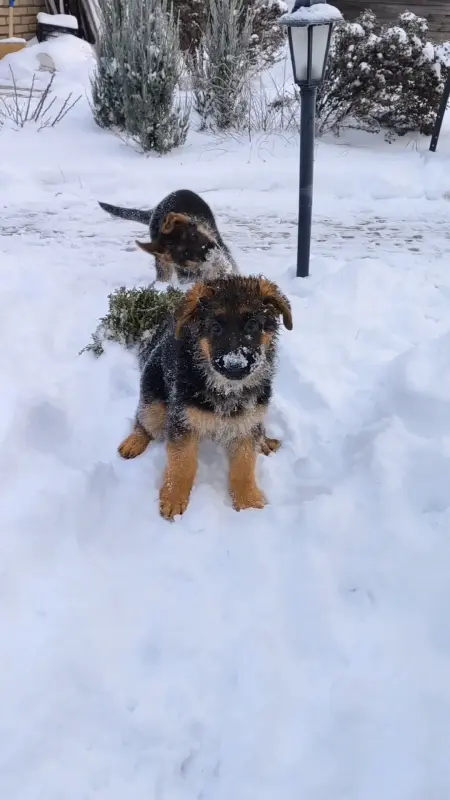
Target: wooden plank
(417,8)
(6,48)
(438,5)
(387,14)
(394,13)
(424,5)
(397,7)
(389,11)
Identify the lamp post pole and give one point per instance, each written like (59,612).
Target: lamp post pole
(307,130)
(440,115)
(310,25)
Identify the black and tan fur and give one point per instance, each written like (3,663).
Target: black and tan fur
(207,372)
(184,237)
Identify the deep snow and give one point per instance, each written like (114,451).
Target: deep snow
(302,651)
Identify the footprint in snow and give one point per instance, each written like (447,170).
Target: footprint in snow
(47,428)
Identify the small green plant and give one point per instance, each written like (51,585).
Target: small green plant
(133,315)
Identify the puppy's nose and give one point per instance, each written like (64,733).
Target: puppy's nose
(234,364)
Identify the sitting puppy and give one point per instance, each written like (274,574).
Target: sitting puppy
(184,237)
(207,372)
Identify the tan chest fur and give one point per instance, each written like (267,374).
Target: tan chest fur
(221,428)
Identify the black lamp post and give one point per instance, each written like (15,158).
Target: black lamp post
(440,115)
(310,25)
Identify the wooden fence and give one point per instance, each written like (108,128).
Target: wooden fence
(437,12)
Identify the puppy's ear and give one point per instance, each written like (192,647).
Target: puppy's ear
(153,248)
(172,219)
(189,308)
(272,296)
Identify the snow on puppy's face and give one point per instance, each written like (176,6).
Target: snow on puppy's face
(235,320)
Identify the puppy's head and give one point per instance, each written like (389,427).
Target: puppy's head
(182,241)
(236,320)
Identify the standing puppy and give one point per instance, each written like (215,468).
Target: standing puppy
(184,237)
(207,372)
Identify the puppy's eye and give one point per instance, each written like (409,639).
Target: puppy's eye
(216,328)
(252,326)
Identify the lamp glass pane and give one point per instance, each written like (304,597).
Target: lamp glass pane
(299,47)
(319,50)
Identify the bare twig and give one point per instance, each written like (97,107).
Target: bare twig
(65,108)
(29,97)
(22,108)
(43,98)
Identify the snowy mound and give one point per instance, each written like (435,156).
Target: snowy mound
(65,54)
(417,389)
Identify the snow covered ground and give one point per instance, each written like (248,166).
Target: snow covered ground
(300,652)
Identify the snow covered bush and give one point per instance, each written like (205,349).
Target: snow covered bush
(139,64)
(191,16)
(108,83)
(222,65)
(267,36)
(392,80)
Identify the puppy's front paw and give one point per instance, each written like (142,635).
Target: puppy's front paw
(172,503)
(247,496)
(134,445)
(269,446)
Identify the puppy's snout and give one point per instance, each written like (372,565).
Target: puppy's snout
(234,365)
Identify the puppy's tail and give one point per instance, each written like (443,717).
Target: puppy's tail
(133,214)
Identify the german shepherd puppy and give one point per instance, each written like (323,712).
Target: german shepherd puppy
(207,372)
(184,237)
